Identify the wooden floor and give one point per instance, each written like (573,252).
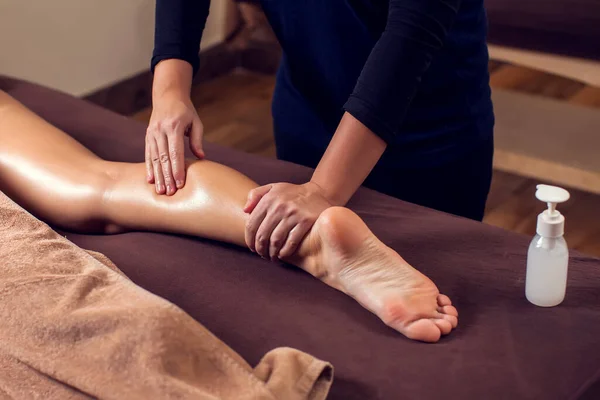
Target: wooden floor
(236,112)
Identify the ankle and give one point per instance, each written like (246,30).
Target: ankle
(309,256)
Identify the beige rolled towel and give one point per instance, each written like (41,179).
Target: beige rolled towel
(73,326)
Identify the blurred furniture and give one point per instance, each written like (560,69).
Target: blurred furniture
(537,137)
(548,140)
(564,27)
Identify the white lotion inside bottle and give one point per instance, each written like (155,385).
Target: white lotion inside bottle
(548,255)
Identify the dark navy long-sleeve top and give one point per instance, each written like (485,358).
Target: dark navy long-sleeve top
(412,71)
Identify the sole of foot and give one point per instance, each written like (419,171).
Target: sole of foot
(351,259)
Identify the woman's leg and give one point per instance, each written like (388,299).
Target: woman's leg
(60,181)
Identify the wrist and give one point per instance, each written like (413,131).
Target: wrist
(170,96)
(351,155)
(327,193)
(172,80)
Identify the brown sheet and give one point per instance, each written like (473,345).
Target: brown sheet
(504,348)
(73,326)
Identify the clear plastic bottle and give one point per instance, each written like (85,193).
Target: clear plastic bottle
(548,255)
(547,264)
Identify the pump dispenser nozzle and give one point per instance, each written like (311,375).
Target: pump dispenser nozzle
(551,222)
(551,195)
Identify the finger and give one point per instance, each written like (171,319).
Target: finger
(165,162)
(263,234)
(159,181)
(254,222)
(295,237)
(196,131)
(148,158)
(254,197)
(177,157)
(279,237)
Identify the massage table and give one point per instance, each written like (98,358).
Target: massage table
(504,347)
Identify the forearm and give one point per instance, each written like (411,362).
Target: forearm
(178,30)
(172,78)
(350,157)
(416,30)
(375,111)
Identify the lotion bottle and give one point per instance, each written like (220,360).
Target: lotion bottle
(548,255)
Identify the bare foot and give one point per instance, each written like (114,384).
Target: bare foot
(346,255)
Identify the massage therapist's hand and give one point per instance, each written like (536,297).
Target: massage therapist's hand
(173,117)
(281,214)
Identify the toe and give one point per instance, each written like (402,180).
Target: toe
(450,310)
(444,300)
(444,325)
(451,319)
(424,330)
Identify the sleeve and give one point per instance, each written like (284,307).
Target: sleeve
(415,31)
(178,30)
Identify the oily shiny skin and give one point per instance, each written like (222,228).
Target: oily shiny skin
(45,170)
(209,205)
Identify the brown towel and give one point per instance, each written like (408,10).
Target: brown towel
(73,326)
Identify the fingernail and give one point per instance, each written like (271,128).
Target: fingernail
(168,188)
(179,184)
